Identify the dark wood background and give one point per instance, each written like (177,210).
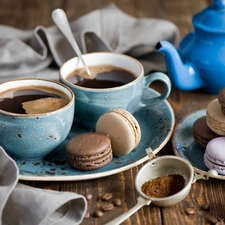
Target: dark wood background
(27,14)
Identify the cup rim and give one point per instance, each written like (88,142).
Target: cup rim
(102,89)
(72,99)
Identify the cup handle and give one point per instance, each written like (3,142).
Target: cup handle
(157,76)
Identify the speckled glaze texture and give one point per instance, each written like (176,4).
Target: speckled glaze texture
(156,125)
(31,135)
(34,136)
(91,103)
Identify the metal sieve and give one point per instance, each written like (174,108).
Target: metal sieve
(159,167)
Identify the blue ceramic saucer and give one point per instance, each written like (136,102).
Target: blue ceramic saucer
(157,124)
(185,147)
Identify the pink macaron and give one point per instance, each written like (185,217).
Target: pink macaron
(214,156)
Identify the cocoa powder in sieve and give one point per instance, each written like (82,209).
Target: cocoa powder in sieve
(164,186)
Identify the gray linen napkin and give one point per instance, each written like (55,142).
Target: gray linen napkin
(24,205)
(30,53)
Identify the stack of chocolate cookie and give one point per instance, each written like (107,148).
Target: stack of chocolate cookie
(202,133)
(214,157)
(212,125)
(209,133)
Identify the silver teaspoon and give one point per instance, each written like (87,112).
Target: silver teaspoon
(60,19)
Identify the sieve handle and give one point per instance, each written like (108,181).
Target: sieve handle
(210,173)
(140,202)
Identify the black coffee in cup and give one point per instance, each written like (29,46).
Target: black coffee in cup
(106,76)
(13,100)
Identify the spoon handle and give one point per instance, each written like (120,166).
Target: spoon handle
(60,19)
(140,202)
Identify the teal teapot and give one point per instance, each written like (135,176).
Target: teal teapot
(199,61)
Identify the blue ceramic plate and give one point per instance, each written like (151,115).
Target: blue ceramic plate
(185,147)
(157,124)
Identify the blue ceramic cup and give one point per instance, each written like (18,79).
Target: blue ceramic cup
(33,136)
(91,103)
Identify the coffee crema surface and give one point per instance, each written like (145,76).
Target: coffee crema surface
(103,76)
(32,100)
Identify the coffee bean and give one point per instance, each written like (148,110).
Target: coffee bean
(211,218)
(219,223)
(117,202)
(205,207)
(190,211)
(220,219)
(88,196)
(97,213)
(202,213)
(107,207)
(107,196)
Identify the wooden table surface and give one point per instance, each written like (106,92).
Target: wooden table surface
(210,192)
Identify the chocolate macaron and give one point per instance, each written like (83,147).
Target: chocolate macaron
(201,132)
(89,151)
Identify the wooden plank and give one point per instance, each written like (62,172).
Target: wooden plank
(122,186)
(26,14)
(197,197)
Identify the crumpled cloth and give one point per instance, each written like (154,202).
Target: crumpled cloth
(30,53)
(24,205)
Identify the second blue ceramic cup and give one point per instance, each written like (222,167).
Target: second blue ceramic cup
(91,103)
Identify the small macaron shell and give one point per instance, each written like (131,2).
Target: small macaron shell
(215,119)
(89,151)
(122,128)
(201,132)
(221,99)
(214,157)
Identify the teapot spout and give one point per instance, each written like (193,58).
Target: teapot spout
(183,76)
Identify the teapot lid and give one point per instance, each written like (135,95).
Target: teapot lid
(212,18)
